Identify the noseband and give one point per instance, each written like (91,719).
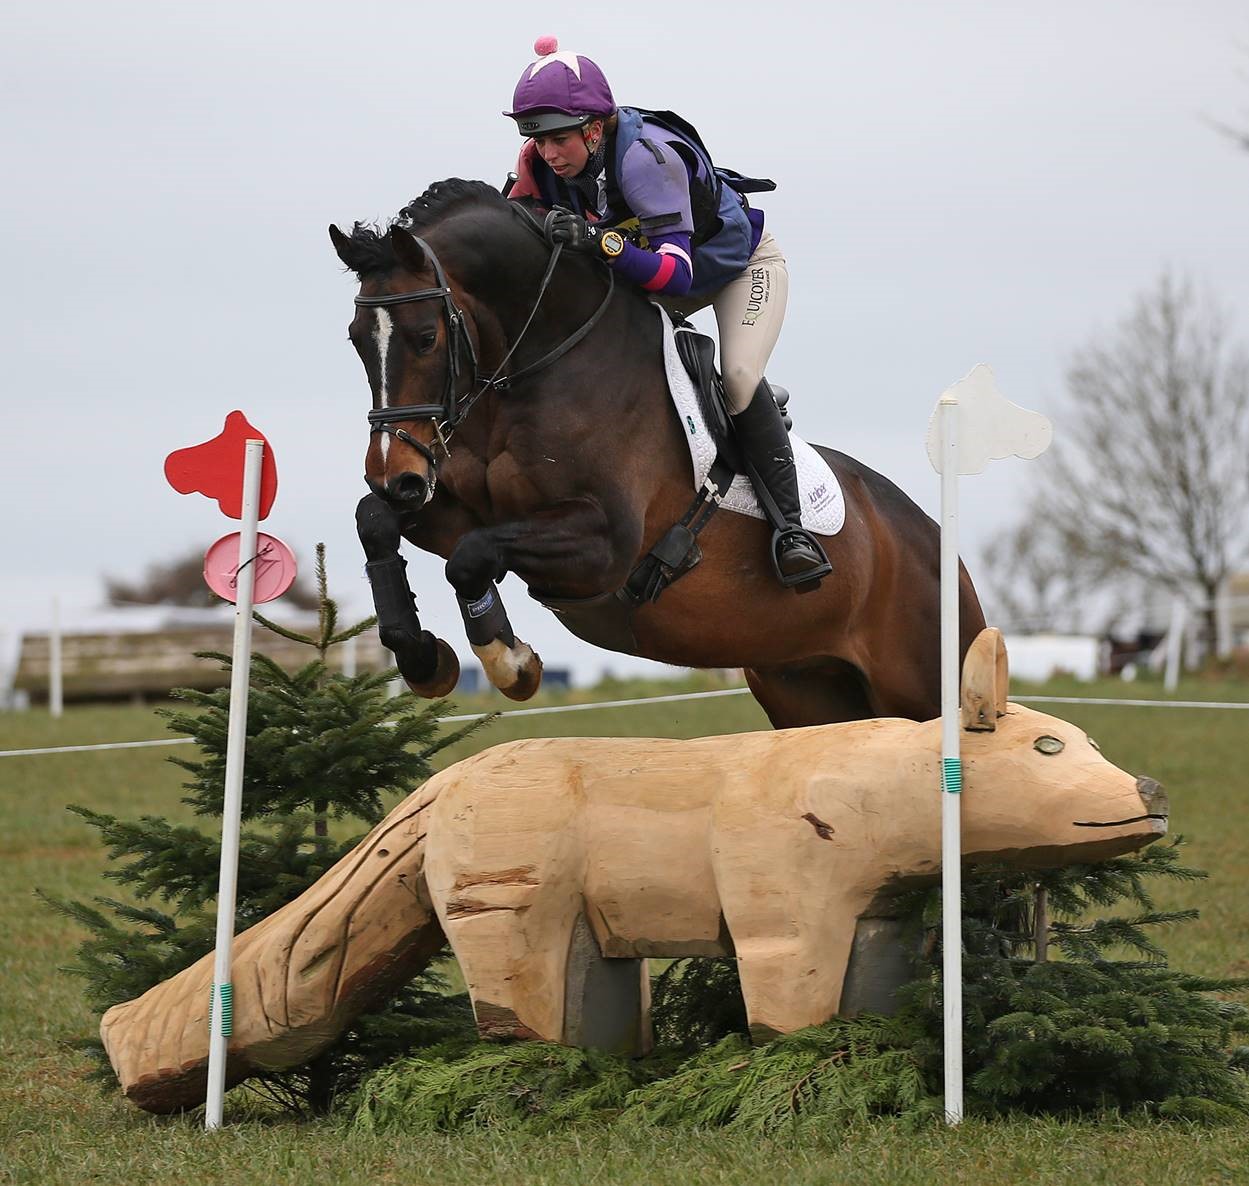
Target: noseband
(447,415)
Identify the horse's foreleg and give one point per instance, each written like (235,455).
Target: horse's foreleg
(428,665)
(511,665)
(564,549)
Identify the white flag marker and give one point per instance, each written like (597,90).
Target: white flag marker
(221,1010)
(972,424)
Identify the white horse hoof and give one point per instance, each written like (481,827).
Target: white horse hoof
(516,671)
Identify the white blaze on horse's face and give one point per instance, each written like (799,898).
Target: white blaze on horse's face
(381,335)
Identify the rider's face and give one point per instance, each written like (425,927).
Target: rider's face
(565,152)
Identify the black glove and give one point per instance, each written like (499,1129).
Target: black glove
(563,226)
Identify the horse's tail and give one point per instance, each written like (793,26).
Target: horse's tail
(299,977)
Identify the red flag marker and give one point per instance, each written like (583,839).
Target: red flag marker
(215,468)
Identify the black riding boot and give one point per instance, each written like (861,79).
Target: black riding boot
(796,554)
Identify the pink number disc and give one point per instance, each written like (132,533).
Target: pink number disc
(274,561)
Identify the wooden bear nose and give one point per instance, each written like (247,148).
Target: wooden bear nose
(1150,790)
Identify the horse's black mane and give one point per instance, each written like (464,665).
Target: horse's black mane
(444,196)
(371,250)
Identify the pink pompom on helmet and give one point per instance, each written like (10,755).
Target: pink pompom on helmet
(560,90)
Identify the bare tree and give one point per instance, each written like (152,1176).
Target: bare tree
(1238,133)
(181,582)
(1039,575)
(1150,468)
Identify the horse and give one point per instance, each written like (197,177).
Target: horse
(521,423)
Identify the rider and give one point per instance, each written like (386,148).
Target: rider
(704,245)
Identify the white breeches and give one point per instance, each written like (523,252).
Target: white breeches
(749,310)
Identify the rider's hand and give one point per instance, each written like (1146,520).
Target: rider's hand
(563,226)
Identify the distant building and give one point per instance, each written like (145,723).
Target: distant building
(1039,657)
(142,652)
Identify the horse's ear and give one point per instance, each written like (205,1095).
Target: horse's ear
(985,677)
(345,246)
(407,249)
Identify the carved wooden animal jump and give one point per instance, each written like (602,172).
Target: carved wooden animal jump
(555,866)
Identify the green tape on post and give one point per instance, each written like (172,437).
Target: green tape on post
(952,775)
(227,1009)
(223,994)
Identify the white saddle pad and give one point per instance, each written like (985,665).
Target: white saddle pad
(823,507)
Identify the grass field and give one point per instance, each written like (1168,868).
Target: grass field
(55,1128)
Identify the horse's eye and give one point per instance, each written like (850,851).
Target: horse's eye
(426,342)
(1048,745)
(1094,744)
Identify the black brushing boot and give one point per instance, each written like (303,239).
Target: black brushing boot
(797,556)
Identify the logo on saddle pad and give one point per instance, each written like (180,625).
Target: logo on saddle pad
(760,290)
(818,497)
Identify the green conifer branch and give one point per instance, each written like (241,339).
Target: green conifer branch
(357,629)
(282,631)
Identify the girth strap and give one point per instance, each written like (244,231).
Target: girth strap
(677,551)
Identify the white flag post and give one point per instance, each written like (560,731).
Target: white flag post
(1175,643)
(972,424)
(56,663)
(221,1011)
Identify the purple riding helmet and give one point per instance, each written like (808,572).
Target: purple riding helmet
(561,90)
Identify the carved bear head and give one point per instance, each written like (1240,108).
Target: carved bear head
(1037,790)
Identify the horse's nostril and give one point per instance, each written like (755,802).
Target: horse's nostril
(1150,790)
(407,488)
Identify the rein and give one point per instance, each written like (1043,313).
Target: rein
(447,415)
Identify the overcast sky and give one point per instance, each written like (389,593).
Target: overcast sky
(959,183)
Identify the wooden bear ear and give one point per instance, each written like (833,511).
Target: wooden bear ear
(409,251)
(985,679)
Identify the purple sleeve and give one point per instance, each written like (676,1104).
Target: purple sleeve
(655,184)
(667,267)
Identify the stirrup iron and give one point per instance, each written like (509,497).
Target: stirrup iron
(807,579)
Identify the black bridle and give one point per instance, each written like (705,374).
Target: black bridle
(447,415)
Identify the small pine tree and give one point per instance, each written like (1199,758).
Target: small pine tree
(1086,1032)
(321,747)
